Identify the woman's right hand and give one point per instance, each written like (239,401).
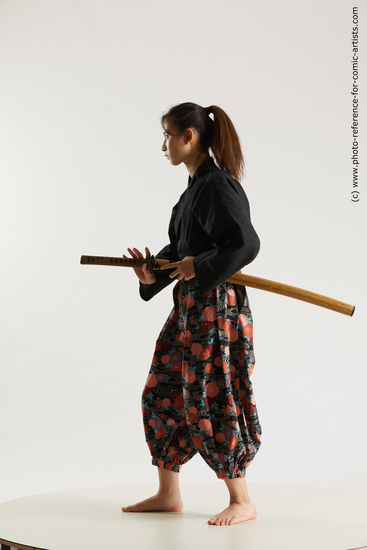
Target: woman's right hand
(142,273)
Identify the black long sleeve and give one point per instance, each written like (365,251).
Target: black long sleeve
(162,278)
(223,212)
(169,252)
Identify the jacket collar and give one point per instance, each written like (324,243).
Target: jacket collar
(205,167)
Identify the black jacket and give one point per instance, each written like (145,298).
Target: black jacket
(211,221)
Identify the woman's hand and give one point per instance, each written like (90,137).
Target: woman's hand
(142,273)
(185,269)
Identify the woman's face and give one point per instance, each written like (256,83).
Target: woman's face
(174,145)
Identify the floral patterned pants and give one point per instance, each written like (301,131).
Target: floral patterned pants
(198,396)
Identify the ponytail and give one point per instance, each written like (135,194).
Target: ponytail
(218,134)
(225,143)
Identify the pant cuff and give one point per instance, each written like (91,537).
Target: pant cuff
(166,465)
(224,475)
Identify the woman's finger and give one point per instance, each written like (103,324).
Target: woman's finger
(132,253)
(175,274)
(170,266)
(140,255)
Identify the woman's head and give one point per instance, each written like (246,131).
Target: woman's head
(218,134)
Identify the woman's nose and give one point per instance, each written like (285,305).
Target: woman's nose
(164,147)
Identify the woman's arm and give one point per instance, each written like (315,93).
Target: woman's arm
(223,212)
(152,283)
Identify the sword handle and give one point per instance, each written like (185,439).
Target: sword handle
(152,262)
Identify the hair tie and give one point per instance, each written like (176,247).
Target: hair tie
(208,110)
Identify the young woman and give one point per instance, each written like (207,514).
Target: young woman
(198,397)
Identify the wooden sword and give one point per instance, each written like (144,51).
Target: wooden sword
(238,278)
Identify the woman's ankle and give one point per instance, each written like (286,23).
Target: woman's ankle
(168,482)
(238,493)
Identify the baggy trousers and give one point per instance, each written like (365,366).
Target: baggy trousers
(198,396)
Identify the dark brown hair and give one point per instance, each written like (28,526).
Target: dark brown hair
(219,134)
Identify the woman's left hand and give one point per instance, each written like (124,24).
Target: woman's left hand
(185,269)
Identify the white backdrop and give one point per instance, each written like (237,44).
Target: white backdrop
(84,84)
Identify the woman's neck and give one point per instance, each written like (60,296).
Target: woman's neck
(193,163)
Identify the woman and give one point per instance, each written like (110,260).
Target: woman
(198,397)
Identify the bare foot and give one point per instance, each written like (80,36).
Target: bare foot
(159,502)
(235,513)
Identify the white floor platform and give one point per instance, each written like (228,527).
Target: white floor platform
(289,518)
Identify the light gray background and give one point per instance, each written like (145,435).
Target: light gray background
(83,87)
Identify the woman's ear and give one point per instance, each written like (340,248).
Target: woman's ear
(189,136)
